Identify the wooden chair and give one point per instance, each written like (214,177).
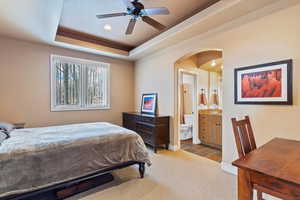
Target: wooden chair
(245,143)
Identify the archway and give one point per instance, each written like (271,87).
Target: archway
(188,107)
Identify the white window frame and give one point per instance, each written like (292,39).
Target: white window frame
(83,86)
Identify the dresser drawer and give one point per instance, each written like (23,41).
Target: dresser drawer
(146,131)
(203,117)
(147,138)
(129,117)
(203,123)
(147,120)
(203,137)
(145,127)
(203,129)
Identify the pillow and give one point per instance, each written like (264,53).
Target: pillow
(6,127)
(3,136)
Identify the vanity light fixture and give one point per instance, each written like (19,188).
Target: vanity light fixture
(107,27)
(213,63)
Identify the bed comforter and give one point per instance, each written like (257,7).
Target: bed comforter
(39,157)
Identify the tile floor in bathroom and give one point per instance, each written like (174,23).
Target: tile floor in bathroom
(201,150)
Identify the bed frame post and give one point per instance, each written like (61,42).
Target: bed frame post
(142,169)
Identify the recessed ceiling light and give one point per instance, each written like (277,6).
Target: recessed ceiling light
(107,27)
(213,63)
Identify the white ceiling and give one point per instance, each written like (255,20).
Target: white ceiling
(37,21)
(34,20)
(80,15)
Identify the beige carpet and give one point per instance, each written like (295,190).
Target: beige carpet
(173,176)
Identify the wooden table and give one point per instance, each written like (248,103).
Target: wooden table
(275,166)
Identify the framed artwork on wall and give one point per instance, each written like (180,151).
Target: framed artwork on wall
(149,104)
(270,83)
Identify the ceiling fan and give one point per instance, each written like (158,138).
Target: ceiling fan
(137,10)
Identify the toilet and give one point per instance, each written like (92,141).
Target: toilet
(186,130)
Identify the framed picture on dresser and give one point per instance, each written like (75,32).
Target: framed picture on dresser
(269,83)
(149,104)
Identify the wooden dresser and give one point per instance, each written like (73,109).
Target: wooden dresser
(210,128)
(153,129)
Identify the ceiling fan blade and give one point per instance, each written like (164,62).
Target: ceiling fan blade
(128,4)
(111,15)
(130,26)
(156,11)
(153,23)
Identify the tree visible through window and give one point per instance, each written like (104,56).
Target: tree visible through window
(96,94)
(67,84)
(78,84)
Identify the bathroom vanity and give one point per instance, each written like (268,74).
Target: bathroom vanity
(210,128)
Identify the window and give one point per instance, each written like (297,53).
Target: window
(78,84)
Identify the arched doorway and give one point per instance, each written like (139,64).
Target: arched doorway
(198,103)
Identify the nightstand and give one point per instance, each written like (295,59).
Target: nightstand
(19,125)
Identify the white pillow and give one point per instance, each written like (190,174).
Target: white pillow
(6,127)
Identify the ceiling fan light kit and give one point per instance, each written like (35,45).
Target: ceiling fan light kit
(138,11)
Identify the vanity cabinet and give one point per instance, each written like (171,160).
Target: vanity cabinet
(210,129)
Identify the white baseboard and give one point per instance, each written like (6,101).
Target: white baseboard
(227,167)
(173,147)
(196,141)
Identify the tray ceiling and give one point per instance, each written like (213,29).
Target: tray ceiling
(37,21)
(81,16)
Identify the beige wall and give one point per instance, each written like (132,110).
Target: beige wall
(25,88)
(270,38)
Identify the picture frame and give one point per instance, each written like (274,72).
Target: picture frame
(265,84)
(149,104)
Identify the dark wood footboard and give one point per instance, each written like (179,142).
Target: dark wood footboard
(142,169)
(53,191)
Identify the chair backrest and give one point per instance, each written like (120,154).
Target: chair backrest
(244,137)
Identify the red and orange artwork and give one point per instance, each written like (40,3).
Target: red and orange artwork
(262,84)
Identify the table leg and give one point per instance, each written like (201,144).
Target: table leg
(245,188)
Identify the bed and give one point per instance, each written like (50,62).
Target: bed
(37,158)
